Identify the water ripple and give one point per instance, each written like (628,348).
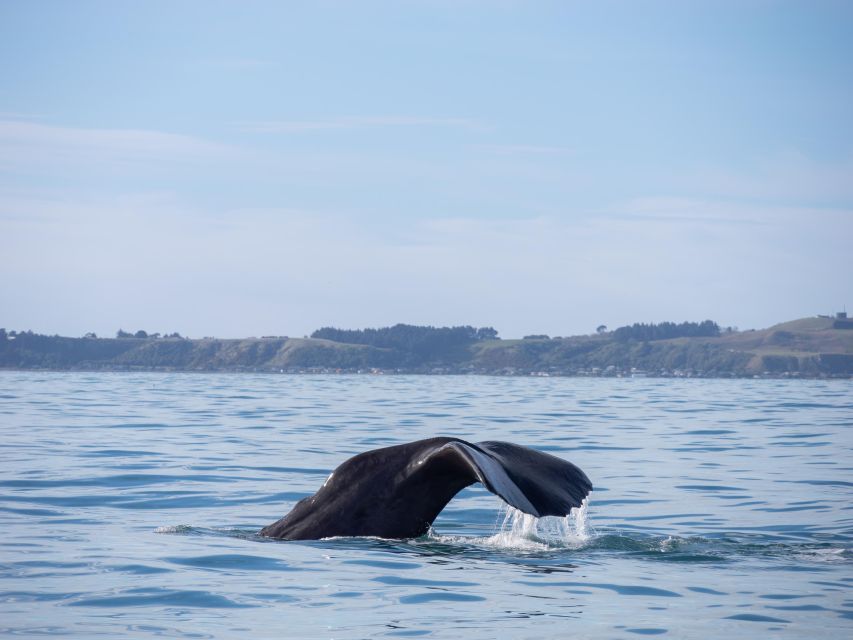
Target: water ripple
(131,505)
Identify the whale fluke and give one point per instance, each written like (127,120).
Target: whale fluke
(398,491)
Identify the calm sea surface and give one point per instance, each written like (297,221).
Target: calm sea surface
(129,505)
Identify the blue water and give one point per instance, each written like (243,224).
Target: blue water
(129,505)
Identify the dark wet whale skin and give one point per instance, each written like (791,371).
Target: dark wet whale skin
(398,491)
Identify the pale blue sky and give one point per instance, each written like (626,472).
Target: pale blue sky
(253,168)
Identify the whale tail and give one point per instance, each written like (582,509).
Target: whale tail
(398,491)
(529,480)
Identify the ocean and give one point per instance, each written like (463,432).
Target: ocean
(130,505)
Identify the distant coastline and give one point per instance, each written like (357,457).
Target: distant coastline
(818,347)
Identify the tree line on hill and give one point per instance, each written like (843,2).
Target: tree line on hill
(140,335)
(666,330)
(423,341)
(418,343)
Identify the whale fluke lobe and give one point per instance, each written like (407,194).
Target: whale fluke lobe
(398,491)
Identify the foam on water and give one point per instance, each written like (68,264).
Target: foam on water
(173,529)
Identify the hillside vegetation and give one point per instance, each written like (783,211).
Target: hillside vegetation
(810,347)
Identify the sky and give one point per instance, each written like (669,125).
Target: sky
(251,168)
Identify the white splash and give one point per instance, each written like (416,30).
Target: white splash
(520,531)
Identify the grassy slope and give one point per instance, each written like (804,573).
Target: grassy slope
(53,352)
(791,346)
(249,353)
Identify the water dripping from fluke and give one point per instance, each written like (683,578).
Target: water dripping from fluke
(521,531)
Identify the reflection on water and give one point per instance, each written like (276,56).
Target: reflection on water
(130,505)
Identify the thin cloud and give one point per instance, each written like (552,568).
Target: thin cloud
(236,63)
(783,177)
(17,115)
(525,149)
(730,213)
(32,145)
(353,122)
(15,134)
